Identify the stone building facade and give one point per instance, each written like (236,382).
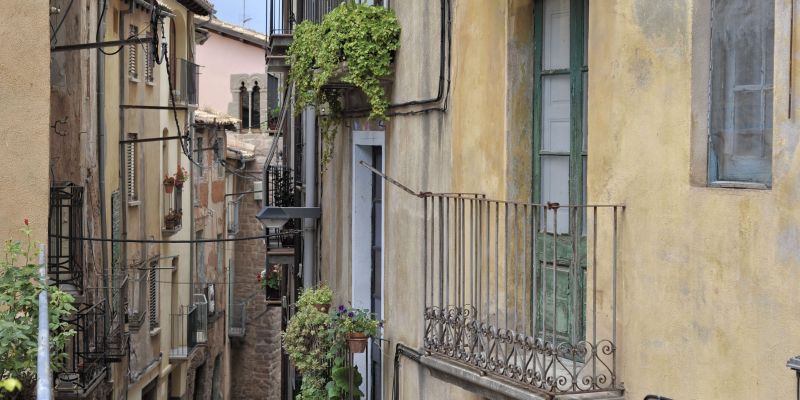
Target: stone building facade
(258,350)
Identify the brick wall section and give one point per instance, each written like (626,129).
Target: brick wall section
(255,358)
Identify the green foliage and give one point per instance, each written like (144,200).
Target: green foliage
(354,43)
(317,345)
(347,321)
(10,385)
(339,386)
(312,388)
(19,307)
(363,36)
(313,296)
(306,340)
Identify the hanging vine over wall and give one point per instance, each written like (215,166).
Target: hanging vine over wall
(354,43)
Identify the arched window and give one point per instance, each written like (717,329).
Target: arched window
(244,106)
(255,107)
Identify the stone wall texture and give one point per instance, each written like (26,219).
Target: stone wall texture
(255,366)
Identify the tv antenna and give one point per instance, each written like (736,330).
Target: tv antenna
(245,18)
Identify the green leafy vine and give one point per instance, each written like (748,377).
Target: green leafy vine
(355,44)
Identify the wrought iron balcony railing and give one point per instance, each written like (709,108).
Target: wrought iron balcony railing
(184,332)
(87,353)
(138,305)
(65,258)
(526,292)
(238,322)
(189,328)
(282,192)
(187,82)
(285,15)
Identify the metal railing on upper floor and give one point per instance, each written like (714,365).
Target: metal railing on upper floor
(186,90)
(284,15)
(526,292)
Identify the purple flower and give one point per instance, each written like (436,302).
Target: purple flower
(341,308)
(350,314)
(380,324)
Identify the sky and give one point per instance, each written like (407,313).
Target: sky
(231,11)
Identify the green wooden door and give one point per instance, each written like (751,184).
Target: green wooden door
(560,165)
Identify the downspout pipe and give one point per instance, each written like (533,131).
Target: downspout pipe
(43,375)
(310,185)
(101,152)
(121,161)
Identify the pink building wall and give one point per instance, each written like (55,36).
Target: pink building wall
(219,58)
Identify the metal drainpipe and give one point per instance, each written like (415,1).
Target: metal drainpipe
(310,185)
(121,173)
(101,150)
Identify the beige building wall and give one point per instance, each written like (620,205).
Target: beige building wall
(151,346)
(708,300)
(480,144)
(24,119)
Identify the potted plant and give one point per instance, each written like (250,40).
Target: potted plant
(169,183)
(271,281)
(318,299)
(180,177)
(173,219)
(274,114)
(357,326)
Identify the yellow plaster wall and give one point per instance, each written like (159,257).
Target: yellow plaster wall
(24,116)
(708,294)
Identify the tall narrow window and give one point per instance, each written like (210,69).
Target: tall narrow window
(133,50)
(131,169)
(255,107)
(740,136)
(244,106)
(560,153)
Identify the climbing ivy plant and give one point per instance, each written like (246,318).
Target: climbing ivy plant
(362,36)
(355,44)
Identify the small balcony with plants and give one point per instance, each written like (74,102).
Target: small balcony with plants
(322,343)
(172,202)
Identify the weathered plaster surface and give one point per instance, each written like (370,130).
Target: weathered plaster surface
(481,144)
(706,300)
(24,124)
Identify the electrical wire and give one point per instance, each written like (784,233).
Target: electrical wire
(187,241)
(53,39)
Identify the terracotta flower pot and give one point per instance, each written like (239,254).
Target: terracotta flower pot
(357,342)
(168,188)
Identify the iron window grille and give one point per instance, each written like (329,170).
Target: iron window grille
(65,222)
(85,365)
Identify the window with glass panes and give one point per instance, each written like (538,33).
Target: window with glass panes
(740,125)
(560,149)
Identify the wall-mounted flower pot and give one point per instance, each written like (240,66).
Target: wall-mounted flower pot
(168,188)
(357,342)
